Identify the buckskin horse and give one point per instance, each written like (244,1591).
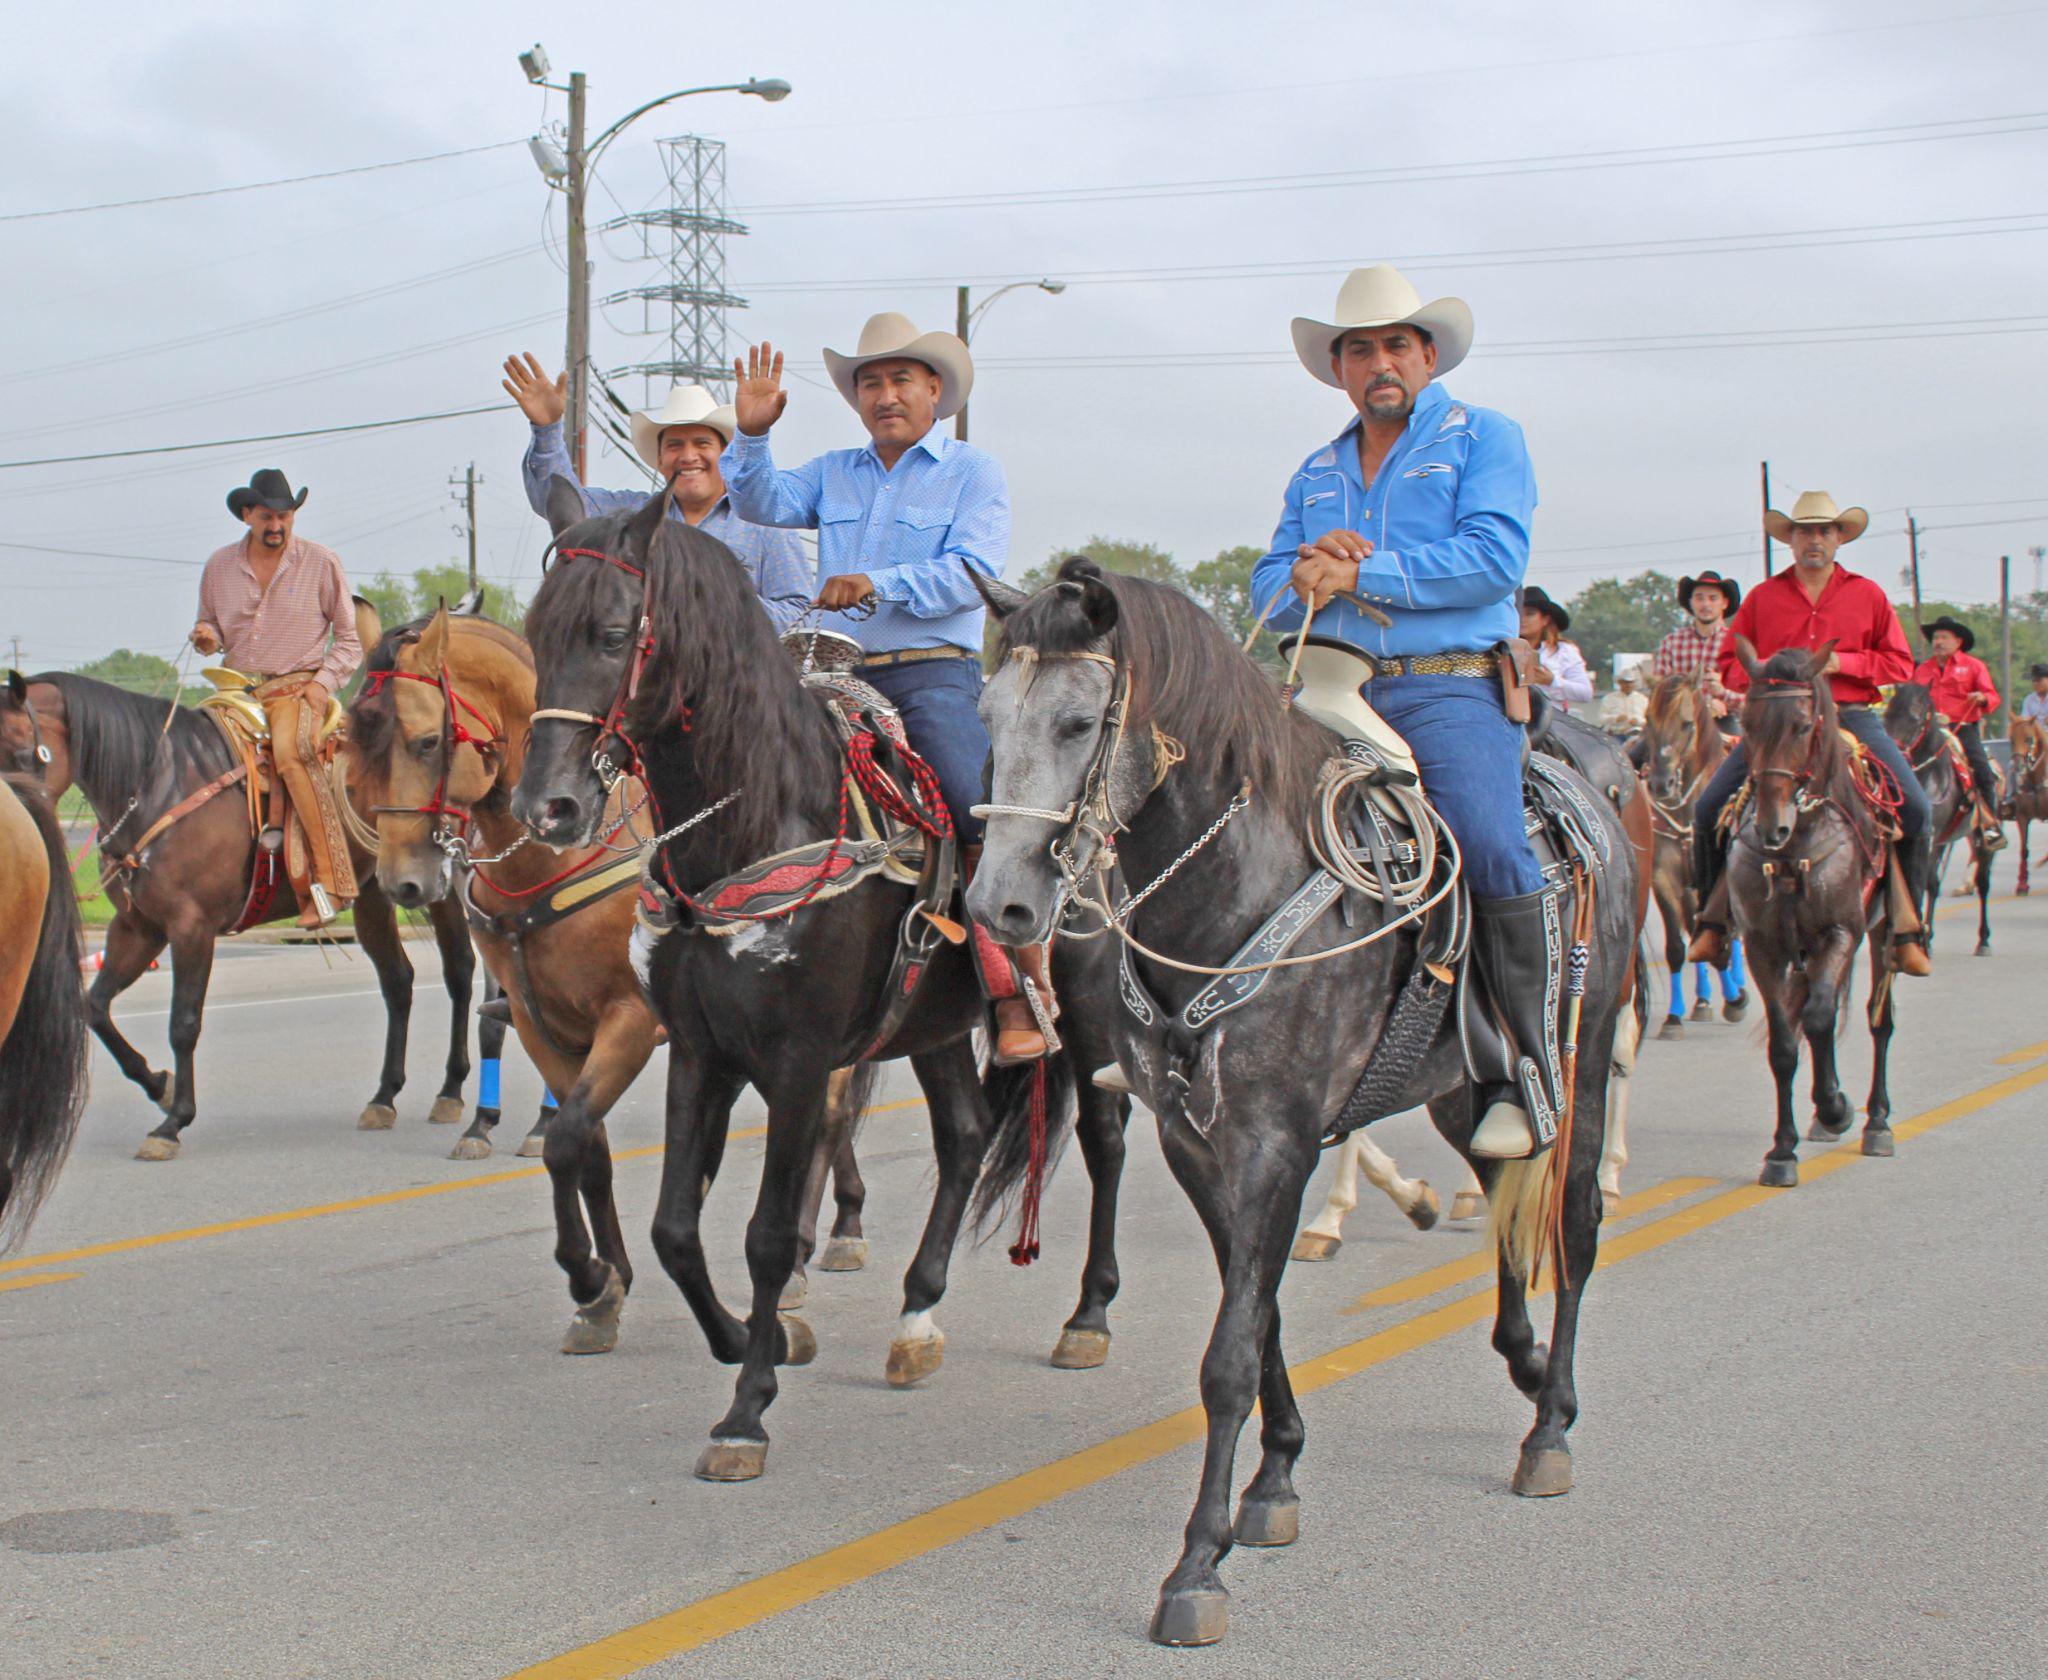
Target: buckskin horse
(1122,717)
(1808,881)
(178,851)
(2029,779)
(652,651)
(1937,760)
(42,1005)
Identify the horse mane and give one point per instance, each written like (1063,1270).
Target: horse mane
(1188,678)
(118,738)
(1664,698)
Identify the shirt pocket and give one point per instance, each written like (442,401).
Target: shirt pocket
(1325,507)
(840,520)
(920,534)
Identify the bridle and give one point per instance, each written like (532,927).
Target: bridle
(613,724)
(40,751)
(454,733)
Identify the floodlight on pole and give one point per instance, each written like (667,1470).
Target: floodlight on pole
(534,61)
(548,159)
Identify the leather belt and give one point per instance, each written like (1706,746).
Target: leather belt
(910,656)
(1436,665)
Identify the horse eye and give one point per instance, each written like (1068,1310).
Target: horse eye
(425,747)
(1074,728)
(612,640)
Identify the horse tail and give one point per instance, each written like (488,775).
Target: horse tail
(1007,1174)
(1517,1212)
(43,1059)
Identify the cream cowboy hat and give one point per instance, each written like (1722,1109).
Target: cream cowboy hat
(687,405)
(1382,297)
(1817,507)
(890,336)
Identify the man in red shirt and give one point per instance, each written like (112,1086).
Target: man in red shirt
(1814,603)
(1964,694)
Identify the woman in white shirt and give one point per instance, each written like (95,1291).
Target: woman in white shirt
(1560,667)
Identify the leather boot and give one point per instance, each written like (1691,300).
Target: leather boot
(1519,946)
(1019,1038)
(1916,863)
(1990,829)
(1710,925)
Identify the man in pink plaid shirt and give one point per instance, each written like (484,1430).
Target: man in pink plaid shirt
(1694,648)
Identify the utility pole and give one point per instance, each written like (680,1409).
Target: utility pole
(1913,549)
(960,332)
(2005,635)
(577,359)
(2040,555)
(1766,466)
(467,482)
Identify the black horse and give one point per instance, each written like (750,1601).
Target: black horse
(647,637)
(1123,714)
(1911,720)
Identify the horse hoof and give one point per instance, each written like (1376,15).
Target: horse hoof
(794,1292)
(1878,1141)
(912,1362)
(1610,1205)
(1424,1212)
(1313,1245)
(732,1461)
(1983,947)
(844,1254)
(1191,1618)
(156,1148)
(1735,1008)
(1267,1522)
(1468,1204)
(1821,1132)
(1080,1350)
(800,1346)
(595,1328)
(1544,1473)
(1672,1028)
(470,1149)
(376,1117)
(1779,1175)
(533,1146)
(1702,1010)
(447,1111)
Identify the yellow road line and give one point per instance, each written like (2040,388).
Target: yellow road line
(2031,1052)
(710,1619)
(38,1279)
(355,1204)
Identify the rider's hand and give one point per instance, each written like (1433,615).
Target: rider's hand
(1987,701)
(542,400)
(1327,565)
(314,698)
(205,638)
(758,398)
(1833,665)
(847,590)
(1541,675)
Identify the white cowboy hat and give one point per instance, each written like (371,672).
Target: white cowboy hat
(1382,297)
(687,405)
(890,336)
(1817,507)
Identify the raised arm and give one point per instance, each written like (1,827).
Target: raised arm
(760,492)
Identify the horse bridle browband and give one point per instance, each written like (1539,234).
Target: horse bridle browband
(40,752)
(613,723)
(453,734)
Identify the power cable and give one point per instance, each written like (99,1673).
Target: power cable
(260,437)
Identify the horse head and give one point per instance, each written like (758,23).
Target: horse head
(1670,737)
(1789,734)
(1909,716)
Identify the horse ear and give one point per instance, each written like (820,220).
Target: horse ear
(1745,652)
(1099,605)
(432,646)
(565,505)
(17,688)
(1000,597)
(1822,654)
(641,528)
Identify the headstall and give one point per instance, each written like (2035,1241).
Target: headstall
(454,733)
(613,724)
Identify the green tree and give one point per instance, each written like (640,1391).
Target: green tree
(1138,559)
(434,584)
(392,597)
(142,673)
(1623,615)
(1224,586)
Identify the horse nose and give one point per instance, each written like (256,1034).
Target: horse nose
(1014,923)
(552,818)
(406,893)
(1780,834)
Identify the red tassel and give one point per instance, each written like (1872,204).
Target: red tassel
(1025,1249)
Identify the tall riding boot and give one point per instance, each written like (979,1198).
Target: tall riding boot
(1519,946)
(1916,863)
(1709,871)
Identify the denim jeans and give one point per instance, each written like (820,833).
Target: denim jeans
(1861,721)
(1470,756)
(937,698)
(1972,739)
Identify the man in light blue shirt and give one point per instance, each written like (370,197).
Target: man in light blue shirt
(899,521)
(1421,506)
(681,441)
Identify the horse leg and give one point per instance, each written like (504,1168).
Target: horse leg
(2020,886)
(738,1450)
(458,974)
(1734,994)
(846,1250)
(132,945)
(1983,903)
(1323,1235)
(960,1127)
(1877,1127)
(191,970)
(1670,910)
(699,1109)
(579,1162)
(475,1142)
(1819,1019)
(1628,1035)
(1470,1200)
(1269,1511)
(534,1144)
(838,1117)
(1781,1163)
(1084,1339)
(377,933)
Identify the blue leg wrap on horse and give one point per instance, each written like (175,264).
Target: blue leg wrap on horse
(1731,976)
(1702,981)
(548,1104)
(1678,991)
(487,1082)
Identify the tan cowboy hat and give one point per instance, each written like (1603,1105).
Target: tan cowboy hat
(1382,297)
(888,337)
(687,405)
(1817,507)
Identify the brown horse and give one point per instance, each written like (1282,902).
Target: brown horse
(2028,781)
(1807,877)
(42,1005)
(137,759)
(1935,756)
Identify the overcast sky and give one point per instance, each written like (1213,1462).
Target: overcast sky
(1151,401)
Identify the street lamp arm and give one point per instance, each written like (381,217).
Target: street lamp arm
(634,115)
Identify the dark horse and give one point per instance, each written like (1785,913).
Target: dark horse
(137,757)
(1122,712)
(1911,720)
(647,631)
(42,1006)
(1807,884)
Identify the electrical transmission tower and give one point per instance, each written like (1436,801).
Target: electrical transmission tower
(687,304)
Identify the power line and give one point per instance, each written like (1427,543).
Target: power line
(260,437)
(253,186)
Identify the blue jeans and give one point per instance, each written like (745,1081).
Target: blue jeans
(1470,756)
(937,698)
(1868,727)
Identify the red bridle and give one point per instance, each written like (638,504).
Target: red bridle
(613,723)
(453,734)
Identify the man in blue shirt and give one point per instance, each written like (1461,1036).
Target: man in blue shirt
(896,520)
(681,441)
(1421,507)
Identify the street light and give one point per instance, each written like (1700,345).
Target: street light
(576,167)
(965,321)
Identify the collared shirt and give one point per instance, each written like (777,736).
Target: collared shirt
(2035,706)
(912,531)
(1448,516)
(1852,612)
(304,621)
(1571,684)
(1685,652)
(775,560)
(1622,712)
(1953,680)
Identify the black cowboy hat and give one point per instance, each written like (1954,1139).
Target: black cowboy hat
(1727,586)
(1963,632)
(269,488)
(2036,672)
(1534,600)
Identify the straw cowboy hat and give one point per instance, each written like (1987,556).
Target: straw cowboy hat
(1729,588)
(1817,507)
(1962,632)
(687,405)
(1382,297)
(889,337)
(269,488)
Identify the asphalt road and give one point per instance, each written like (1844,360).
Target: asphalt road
(342,1442)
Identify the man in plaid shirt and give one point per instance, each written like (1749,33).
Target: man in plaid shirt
(1694,648)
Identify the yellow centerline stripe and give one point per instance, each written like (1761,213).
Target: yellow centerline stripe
(355,1204)
(38,1279)
(2031,1052)
(737,1608)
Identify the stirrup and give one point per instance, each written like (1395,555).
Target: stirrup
(1504,1133)
(1114,1080)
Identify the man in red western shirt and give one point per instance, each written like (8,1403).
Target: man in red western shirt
(1814,603)
(1963,694)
